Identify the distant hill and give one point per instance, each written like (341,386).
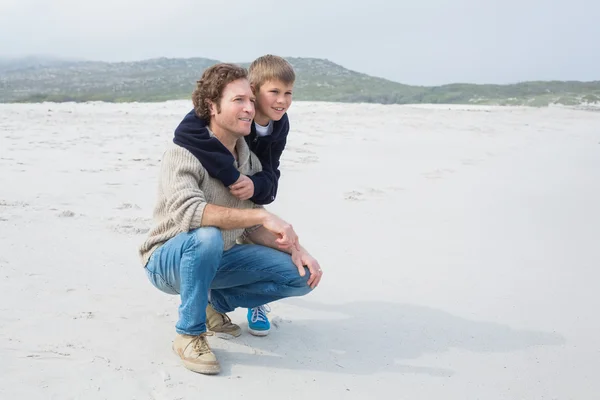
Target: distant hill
(36,79)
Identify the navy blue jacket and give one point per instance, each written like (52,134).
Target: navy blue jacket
(192,134)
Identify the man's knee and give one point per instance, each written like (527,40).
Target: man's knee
(299,283)
(207,238)
(205,248)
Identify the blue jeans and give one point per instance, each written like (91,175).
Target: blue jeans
(194,266)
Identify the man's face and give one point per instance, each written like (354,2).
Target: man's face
(273,99)
(237,109)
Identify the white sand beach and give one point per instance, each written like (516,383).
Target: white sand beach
(460,244)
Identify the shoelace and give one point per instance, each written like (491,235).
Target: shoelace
(260,313)
(225,320)
(201,343)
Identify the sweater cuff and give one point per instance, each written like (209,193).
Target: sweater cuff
(258,187)
(196,221)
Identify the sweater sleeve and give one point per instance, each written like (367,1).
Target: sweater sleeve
(266,182)
(180,178)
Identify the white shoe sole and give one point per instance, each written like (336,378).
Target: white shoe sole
(205,369)
(258,333)
(226,336)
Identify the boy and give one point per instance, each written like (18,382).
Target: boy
(272,80)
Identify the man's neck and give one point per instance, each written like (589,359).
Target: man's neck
(228,140)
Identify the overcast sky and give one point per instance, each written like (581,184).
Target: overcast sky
(411,41)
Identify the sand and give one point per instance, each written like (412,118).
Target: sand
(461,250)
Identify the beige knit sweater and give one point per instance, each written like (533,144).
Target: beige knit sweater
(184,189)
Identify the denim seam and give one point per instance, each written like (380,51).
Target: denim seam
(253,270)
(185,283)
(164,281)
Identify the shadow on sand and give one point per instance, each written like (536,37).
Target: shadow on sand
(370,337)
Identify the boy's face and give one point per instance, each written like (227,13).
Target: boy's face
(272,101)
(236,109)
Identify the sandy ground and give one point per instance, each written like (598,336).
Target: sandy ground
(461,249)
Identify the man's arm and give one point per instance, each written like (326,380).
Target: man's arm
(264,237)
(232,218)
(181,175)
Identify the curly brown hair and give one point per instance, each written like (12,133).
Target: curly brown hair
(211,85)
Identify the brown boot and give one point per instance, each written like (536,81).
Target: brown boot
(221,324)
(195,353)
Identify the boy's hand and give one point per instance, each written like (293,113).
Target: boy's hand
(243,188)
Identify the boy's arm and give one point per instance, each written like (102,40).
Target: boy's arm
(213,155)
(266,182)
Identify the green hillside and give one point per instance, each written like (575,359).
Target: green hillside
(42,79)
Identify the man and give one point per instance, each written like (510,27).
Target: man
(272,81)
(192,247)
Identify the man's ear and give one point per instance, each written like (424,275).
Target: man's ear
(211,107)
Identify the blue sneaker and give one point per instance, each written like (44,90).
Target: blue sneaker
(258,323)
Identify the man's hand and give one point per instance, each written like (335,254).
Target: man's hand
(286,237)
(301,258)
(243,188)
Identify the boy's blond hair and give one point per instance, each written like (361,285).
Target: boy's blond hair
(270,67)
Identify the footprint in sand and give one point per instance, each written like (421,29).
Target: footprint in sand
(13,204)
(354,195)
(469,161)
(438,173)
(277,321)
(304,160)
(128,206)
(369,193)
(84,315)
(375,192)
(301,150)
(309,159)
(133,226)
(395,188)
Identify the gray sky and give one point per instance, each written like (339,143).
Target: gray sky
(411,41)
